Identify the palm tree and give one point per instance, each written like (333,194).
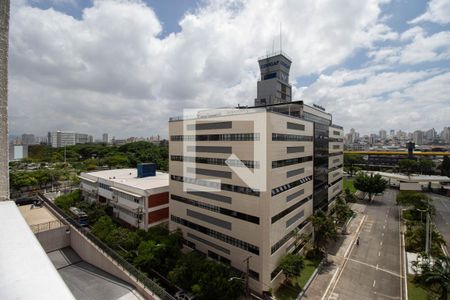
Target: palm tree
(324,231)
(292,265)
(435,275)
(4,29)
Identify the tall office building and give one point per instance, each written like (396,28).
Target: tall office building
(392,133)
(383,134)
(105,138)
(244,181)
(418,137)
(28,139)
(59,139)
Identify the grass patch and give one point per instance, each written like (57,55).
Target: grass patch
(348,183)
(415,292)
(289,291)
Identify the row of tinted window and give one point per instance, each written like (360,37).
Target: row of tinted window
(291,137)
(217,209)
(217,161)
(291,185)
(286,238)
(217,235)
(217,137)
(335,140)
(104,186)
(217,185)
(290,161)
(290,209)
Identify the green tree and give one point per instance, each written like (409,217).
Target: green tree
(292,265)
(412,198)
(350,162)
(343,212)
(445,166)
(425,166)
(349,196)
(370,184)
(435,275)
(206,278)
(407,166)
(324,230)
(103,227)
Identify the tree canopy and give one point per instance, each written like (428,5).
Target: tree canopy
(292,265)
(370,184)
(434,275)
(324,230)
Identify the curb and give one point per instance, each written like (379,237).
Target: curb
(310,280)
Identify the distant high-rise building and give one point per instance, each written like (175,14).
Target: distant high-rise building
(418,137)
(17,152)
(445,135)
(59,139)
(28,139)
(383,134)
(105,138)
(392,133)
(430,135)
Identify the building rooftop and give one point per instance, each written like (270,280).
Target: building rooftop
(27,272)
(129,177)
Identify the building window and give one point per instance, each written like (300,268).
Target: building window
(217,235)
(217,209)
(290,209)
(221,186)
(291,185)
(291,137)
(217,161)
(216,137)
(290,161)
(295,126)
(287,237)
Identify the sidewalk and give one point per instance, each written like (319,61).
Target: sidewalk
(338,251)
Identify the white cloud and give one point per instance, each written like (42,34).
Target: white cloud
(399,100)
(438,11)
(111,71)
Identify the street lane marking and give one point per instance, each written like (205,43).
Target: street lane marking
(379,253)
(377,266)
(382,234)
(374,267)
(384,226)
(381,243)
(373,285)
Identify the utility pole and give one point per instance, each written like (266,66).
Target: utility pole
(247,288)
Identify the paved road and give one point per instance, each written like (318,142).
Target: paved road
(373,268)
(442,218)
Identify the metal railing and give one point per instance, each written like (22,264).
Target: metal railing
(36,228)
(120,261)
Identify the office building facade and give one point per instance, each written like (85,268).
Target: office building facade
(244,181)
(139,201)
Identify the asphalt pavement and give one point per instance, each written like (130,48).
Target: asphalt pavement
(373,269)
(442,217)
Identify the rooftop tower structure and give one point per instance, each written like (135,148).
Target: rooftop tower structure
(274,87)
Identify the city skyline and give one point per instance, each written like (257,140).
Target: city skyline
(368,62)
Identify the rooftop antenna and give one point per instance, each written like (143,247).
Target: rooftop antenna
(281,40)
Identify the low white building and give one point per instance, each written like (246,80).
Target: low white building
(140,202)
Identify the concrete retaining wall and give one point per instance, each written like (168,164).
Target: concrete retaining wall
(54,239)
(90,253)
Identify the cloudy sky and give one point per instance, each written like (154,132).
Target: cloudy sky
(125,66)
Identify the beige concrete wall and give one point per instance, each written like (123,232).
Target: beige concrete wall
(54,239)
(336,133)
(334,161)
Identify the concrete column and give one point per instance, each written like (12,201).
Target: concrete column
(4,157)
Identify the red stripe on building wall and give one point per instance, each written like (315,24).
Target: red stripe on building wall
(158,215)
(158,199)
